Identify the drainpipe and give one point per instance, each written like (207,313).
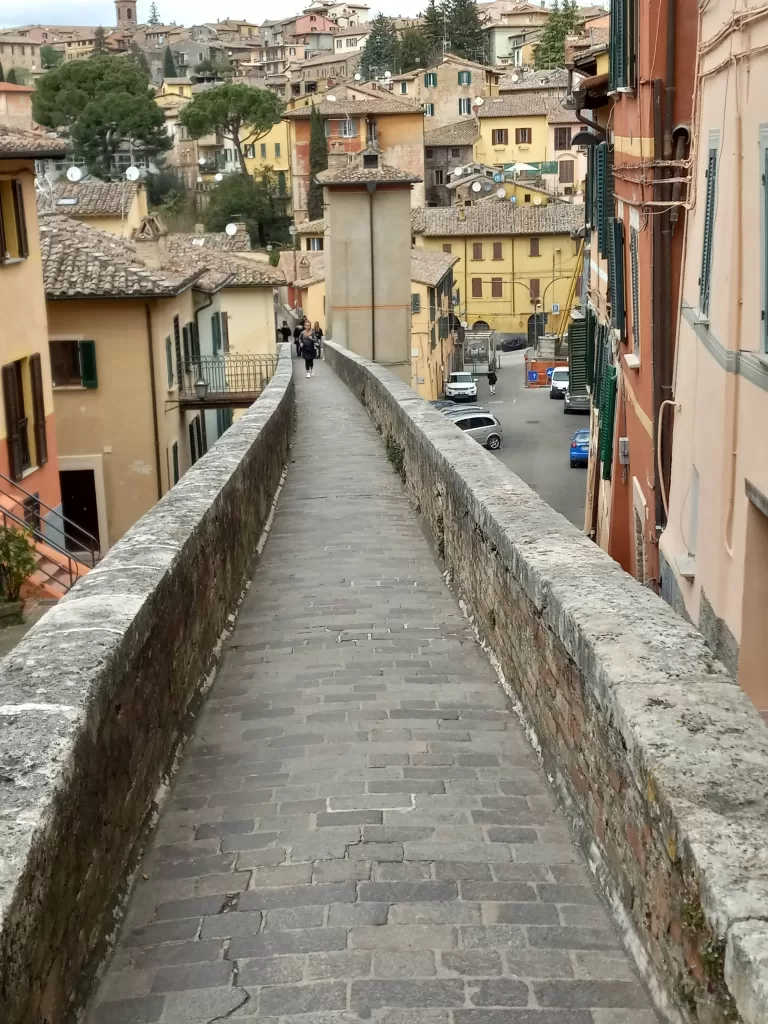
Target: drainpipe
(151,351)
(733,378)
(658,283)
(371,189)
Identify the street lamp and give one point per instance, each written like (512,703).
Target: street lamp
(201,388)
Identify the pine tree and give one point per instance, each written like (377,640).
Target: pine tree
(154,17)
(2,76)
(99,41)
(464,32)
(139,58)
(169,68)
(433,27)
(11,77)
(318,161)
(414,51)
(563,21)
(380,53)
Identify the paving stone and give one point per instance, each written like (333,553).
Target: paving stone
(538,963)
(276,970)
(590,994)
(573,938)
(220,829)
(165,931)
(179,953)
(411,964)
(296,917)
(298,896)
(503,936)
(453,912)
(602,966)
(420,1016)
(471,962)
(519,913)
(400,892)
(205,1004)
(288,874)
(277,943)
(145,1010)
(474,871)
(377,851)
(346,964)
(350,915)
(340,871)
(522,1016)
(403,937)
(225,926)
(289,999)
(368,995)
(174,979)
(411,871)
(498,992)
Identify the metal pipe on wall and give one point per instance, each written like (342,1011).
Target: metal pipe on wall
(371,189)
(155,426)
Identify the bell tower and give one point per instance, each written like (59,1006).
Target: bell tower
(126,13)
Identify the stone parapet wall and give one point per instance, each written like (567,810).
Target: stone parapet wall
(96,699)
(658,756)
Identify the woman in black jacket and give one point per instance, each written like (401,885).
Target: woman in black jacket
(317,330)
(297,337)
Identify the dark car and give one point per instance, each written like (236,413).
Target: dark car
(511,342)
(579,450)
(441,404)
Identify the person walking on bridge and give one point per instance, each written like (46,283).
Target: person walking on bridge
(297,337)
(308,350)
(492,378)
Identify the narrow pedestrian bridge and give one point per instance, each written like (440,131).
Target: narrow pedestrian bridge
(406,789)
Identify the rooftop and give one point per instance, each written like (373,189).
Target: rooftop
(459,133)
(556,78)
(525,104)
(497,219)
(371,101)
(304,268)
(239,242)
(430,267)
(88,198)
(558,114)
(354,174)
(10,87)
(311,227)
(243,271)
(20,142)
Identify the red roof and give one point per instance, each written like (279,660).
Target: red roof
(10,87)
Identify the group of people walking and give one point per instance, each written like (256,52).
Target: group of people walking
(308,341)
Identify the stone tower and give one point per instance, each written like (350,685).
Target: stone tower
(126,13)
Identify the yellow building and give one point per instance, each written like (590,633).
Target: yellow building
(271,152)
(116,207)
(513,129)
(179,87)
(513,261)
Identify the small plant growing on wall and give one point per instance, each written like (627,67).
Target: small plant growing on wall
(17,561)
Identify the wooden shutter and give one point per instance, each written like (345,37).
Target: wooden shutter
(21,220)
(477,287)
(415,302)
(577,356)
(635,284)
(497,251)
(177,344)
(709,227)
(616,274)
(192,448)
(590,347)
(12,401)
(3,244)
(224,331)
(216,333)
(604,195)
(607,415)
(195,342)
(203,433)
(175,456)
(38,408)
(185,333)
(477,250)
(589,190)
(199,435)
(88,374)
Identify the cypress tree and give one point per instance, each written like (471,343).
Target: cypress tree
(380,53)
(464,32)
(11,77)
(564,20)
(169,68)
(2,76)
(433,27)
(318,161)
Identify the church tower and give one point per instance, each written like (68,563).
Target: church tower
(126,13)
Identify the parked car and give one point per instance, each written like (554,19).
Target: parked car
(576,402)
(558,382)
(461,386)
(485,428)
(459,410)
(579,450)
(511,342)
(443,404)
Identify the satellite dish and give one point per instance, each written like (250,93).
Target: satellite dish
(464,324)
(501,194)
(476,186)
(513,200)
(487,186)
(458,171)
(218,177)
(231,229)
(515,78)
(202,161)
(198,241)
(387,74)
(358,76)
(479,101)
(498,177)
(74,173)
(537,200)
(133,173)
(331,99)
(199,179)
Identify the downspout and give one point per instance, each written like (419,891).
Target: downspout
(733,379)
(657,299)
(151,351)
(371,189)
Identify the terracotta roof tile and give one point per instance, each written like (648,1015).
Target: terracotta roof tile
(430,267)
(303,268)
(524,104)
(497,219)
(93,198)
(244,271)
(239,242)
(306,268)
(377,101)
(30,144)
(556,78)
(459,133)
(311,227)
(558,114)
(351,174)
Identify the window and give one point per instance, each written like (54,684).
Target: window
(602,193)
(404,88)
(534,247)
(348,129)
(566,171)
(224,418)
(13,225)
(21,455)
(430,79)
(455,154)
(447,247)
(496,287)
(220,333)
(73,364)
(429,110)
(281,183)
(177,347)
(465,78)
(709,228)
(277,151)
(250,151)
(522,136)
(415,302)
(499,136)
(635,271)
(477,250)
(429,153)
(497,251)
(465,105)
(439,177)
(622,45)
(562,138)
(477,287)
(169,361)
(535,288)
(263,150)
(527,197)
(315,244)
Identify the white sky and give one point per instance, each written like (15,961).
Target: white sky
(184,12)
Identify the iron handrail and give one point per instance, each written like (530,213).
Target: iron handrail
(93,547)
(73,576)
(228,373)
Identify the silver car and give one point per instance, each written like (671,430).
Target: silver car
(459,410)
(484,427)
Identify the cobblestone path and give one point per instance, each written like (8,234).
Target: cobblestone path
(359,829)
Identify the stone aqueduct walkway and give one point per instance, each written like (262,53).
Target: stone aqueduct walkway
(359,830)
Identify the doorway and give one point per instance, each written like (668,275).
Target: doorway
(79,506)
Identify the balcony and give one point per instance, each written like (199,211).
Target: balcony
(225,381)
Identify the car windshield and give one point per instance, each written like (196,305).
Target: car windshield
(581,435)
(461,378)
(560,375)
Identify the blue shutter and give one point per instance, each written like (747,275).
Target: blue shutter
(709,227)
(617,46)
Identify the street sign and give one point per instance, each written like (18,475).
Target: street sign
(533,376)
(555,307)
(550,371)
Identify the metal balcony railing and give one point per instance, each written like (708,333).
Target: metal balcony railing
(225,380)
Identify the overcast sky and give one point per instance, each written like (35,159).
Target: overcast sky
(184,12)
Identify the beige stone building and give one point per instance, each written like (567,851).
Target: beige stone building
(116,207)
(447,90)
(20,53)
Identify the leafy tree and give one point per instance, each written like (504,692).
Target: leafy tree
(103,102)
(17,560)
(154,17)
(238,112)
(318,161)
(219,68)
(11,78)
(2,75)
(380,53)
(464,30)
(50,57)
(564,20)
(169,67)
(240,197)
(161,185)
(415,50)
(99,42)
(139,58)
(19,76)
(434,27)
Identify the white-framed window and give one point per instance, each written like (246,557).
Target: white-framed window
(430,79)
(465,105)
(348,129)
(465,78)
(429,110)
(404,87)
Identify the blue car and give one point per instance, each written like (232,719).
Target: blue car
(579,450)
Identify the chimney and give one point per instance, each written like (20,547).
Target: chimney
(151,241)
(199,229)
(337,156)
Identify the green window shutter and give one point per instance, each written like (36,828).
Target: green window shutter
(616,274)
(203,433)
(192,449)
(709,227)
(216,332)
(195,341)
(589,190)
(630,29)
(199,435)
(600,353)
(590,353)
(224,328)
(169,362)
(88,364)
(601,168)
(617,46)
(177,345)
(185,334)
(175,458)
(415,302)
(635,269)
(577,354)
(607,413)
